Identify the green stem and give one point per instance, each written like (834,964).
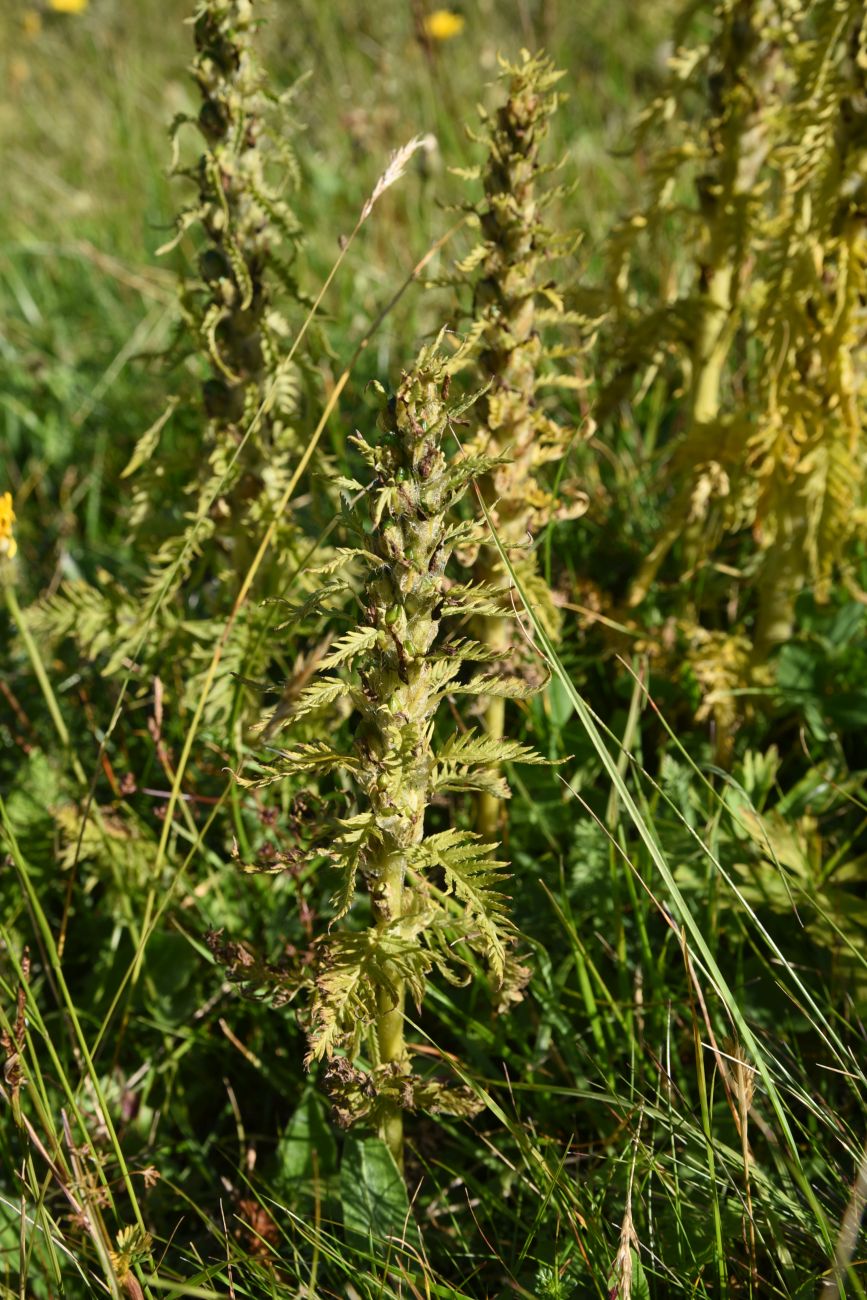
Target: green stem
(42,678)
(390,1022)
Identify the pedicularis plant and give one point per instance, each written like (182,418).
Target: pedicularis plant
(411,899)
(736,80)
(805,458)
(235,469)
(515,304)
(249,239)
(765,125)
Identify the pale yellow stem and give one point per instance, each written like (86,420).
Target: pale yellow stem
(497,635)
(780,582)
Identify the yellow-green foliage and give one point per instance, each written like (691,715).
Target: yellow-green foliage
(434,897)
(804,459)
(776,159)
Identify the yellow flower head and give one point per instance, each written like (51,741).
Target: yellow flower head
(68,6)
(443,24)
(8,544)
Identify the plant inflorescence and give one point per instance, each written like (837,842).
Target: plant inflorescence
(235,455)
(674,1104)
(516,303)
(249,236)
(432,897)
(757,160)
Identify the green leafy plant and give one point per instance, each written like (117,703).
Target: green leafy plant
(712,130)
(248,240)
(434,897)
(675,1104)
(756,162)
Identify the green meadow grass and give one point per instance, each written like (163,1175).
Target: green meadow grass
(677,1107)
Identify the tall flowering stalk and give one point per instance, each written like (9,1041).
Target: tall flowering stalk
(434,896)
(237,465)
(806,457)
(514,304)
(249,238)
(773,439)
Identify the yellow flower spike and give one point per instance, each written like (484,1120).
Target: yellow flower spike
(8,544)
(443,24)
(31,23)
(68,6)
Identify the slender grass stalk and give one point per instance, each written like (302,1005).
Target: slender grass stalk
(38,666)
(707,1129)
(47,940)
(647,834)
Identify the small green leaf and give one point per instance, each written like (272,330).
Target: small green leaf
(321,692)
(149,440)
(501,685)
(350,646)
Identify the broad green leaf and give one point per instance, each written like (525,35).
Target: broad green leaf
(306,1151)
(376,1212)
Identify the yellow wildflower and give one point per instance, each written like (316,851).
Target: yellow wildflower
(31,22)
(8,544)
(68,6)
(443,24)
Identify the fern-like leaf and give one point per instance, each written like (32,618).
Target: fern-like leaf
(473,876)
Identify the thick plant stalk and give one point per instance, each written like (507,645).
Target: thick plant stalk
(497,635)
(225,478)
(391,1008)
(509,286)
(394,740)
(434,896)
(780,581)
